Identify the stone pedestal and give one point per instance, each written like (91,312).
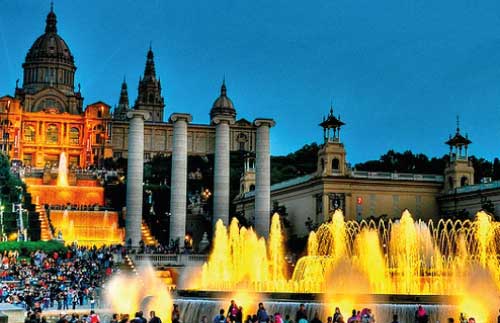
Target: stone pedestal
(178,189)
(263,177)
(135,177)
(221,169)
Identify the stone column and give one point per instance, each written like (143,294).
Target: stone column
(178,186)
(135,176)
(262,177)
(221,168)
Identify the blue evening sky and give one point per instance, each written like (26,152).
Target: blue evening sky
(398,71)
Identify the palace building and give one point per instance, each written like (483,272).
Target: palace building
(363,194)
(46,116)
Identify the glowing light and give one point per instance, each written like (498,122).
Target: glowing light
(456,258)
(144,291)
(62,175)
(87,228)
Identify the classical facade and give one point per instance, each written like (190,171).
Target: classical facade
(334,185)
(46,116)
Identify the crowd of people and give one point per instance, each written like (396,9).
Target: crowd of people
(234,315)
(56,281)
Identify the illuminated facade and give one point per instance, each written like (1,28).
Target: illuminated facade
(45,117)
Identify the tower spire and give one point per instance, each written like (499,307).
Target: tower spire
(149,71)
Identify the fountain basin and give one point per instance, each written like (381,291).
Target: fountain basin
(320,297)
(56,195)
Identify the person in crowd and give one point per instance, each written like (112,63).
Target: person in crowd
(278,318)
(232,311)
(367,316)
(220,318)
(462,318)
(354,318)
(239,316)
(301,313)
(451,320)
(337,315)
(287,319)
(262,316)
(395,318)
(153,318)
(176,314)
(94,318)
(114,318)
(316,318)
(421,315)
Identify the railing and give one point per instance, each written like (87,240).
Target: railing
(478,187)
(169,259)
(398,176)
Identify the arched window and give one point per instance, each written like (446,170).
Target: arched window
(252,188)
(74,136)
(464,181)
(322,163)
(335,164)
(29,134)
(151,98)
(450,182)
(52,134)
(49,104)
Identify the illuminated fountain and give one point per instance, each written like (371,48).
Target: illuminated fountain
(451,264)
(62,174)
(127,294)
(58,191)
(86,226)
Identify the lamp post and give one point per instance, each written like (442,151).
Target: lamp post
(103,139)
(1,219)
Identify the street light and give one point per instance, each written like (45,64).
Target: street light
(2,207)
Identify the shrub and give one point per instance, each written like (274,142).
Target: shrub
(25,248)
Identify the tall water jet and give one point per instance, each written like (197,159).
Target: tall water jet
(127,294)
(62,174)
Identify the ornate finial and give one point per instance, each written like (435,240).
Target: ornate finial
(150,45)
(79,87)
(458,124)
(17,83)
(223,89)
(51,21)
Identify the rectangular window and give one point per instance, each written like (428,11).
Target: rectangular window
(319,204)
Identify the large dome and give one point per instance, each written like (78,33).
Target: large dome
(223,106)
(49,63)
(50,46)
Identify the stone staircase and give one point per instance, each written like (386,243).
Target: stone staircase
(45,231)
(147,236)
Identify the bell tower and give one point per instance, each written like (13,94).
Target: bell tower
(332,154)
(149,96)
(459,171)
